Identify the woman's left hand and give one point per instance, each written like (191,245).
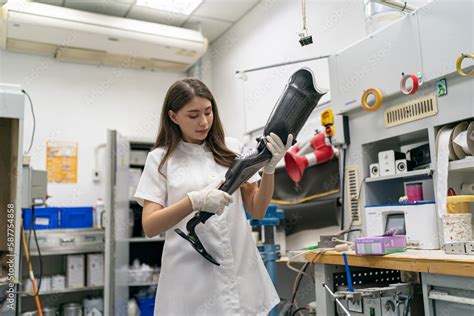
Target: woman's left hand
(278,150)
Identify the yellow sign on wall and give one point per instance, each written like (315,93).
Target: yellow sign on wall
(61,162)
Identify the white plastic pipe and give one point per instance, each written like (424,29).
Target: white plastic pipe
(399,5)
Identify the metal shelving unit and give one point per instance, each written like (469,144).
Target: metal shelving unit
(146,239)
(407,175)
(463,165)
(61,252)
(138,246)
(383,190)
(54,244)
(67,290)
(137,166)
(143,284)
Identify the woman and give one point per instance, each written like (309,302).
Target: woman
(180,177)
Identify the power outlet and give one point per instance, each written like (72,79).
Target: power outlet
(96,176)
(355,306)
(469,247)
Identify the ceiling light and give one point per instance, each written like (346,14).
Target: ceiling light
(185,7)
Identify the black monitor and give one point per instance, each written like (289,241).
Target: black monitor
(396,220)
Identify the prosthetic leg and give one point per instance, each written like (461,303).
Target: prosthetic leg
(300,97)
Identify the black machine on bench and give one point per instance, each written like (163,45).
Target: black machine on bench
(300,97)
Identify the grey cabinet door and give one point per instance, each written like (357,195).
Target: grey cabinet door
(117,219)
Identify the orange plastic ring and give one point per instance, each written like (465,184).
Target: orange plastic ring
(378,99)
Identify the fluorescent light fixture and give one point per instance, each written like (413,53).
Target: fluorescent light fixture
(185,7)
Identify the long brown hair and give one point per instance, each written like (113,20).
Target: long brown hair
(169,135)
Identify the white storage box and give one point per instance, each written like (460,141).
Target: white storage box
(95,269)
(140,276)
(75,271)
(133,180)
(138,157)
(27,286)
(46,284)
(58,282)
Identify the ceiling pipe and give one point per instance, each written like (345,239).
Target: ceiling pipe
(399,5)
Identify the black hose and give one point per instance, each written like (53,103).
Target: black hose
(298,282)
(406,308)
(33,231)
(299,309)
(342,186)
(40,260)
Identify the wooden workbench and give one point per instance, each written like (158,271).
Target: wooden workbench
(428,261)
(435,263)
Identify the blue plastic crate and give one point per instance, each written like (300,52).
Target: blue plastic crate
(146,305)
(45,218)
(76,217)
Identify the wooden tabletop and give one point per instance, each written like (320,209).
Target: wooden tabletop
(429,261)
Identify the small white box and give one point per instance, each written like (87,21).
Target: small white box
(387,161)
(75,271)
(27,286)
(95,269)
(138,157)
(46,284)
(133,180)
(58,282)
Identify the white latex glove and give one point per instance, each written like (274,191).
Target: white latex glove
(210,199)
(278,150)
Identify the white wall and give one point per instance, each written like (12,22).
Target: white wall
(78,103)
(75,102)
(268,35)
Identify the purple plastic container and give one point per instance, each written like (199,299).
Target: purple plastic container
(380,245)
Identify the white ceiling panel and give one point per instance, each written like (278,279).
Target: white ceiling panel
(227,10)
(157,16)
(52,2)
(107,7)
(209,27)
(215,16)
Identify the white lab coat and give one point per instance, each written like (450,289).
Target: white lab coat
(189,284)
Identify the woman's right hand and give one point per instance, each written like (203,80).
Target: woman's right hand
(210,199)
